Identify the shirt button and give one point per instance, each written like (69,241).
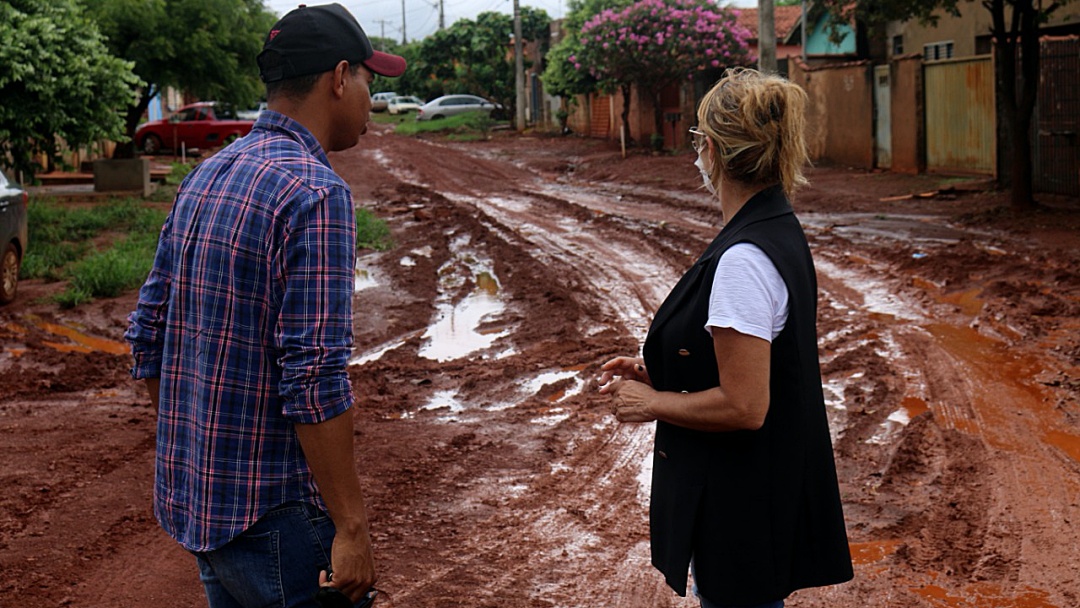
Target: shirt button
(661,453)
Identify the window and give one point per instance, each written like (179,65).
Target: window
(897,45)
(938,50)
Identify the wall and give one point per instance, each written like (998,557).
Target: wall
(840,116)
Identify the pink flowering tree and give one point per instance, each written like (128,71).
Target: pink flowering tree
(654,43)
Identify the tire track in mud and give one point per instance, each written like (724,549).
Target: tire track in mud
(964,471)
(930,492)
(592,542)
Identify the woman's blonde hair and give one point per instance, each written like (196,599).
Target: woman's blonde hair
(756,122)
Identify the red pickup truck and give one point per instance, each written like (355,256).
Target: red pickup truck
(203,125)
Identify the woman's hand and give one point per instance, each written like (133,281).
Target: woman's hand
(628,368)
(632,401)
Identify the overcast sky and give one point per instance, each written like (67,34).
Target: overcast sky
(383,17)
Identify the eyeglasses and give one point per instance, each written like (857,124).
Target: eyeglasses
(699,138)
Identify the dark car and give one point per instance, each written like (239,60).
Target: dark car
(13,201)
(202,125)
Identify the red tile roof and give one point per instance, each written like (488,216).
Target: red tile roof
(786,17)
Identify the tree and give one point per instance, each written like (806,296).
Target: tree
(203,47)
(654,43)
(1015,32)
(560,76)
(57,81)
(475,57)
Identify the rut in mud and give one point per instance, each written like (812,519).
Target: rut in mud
(496,476)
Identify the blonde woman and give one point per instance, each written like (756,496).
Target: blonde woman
(744,488)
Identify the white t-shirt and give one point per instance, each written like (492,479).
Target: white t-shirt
(748,294)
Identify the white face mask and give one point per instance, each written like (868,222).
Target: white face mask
(700,164)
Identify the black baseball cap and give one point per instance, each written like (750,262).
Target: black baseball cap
(313,39)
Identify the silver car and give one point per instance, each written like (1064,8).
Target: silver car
(452,105)
(13,200)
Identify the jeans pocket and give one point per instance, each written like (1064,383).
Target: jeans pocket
(249,568)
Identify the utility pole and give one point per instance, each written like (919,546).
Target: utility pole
(766,37)
(519,69)
(805,24)
(382,33)
(442,16)
(403,41)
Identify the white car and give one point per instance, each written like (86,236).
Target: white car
(452,105)
(403,104)
(251,114)
(379,101)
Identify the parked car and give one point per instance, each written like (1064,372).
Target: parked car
(403,104)
(380,101)
(252,114)
(206,124)
(13,200)
(452,105)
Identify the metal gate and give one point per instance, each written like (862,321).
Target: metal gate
(960,116)
(1056,145)
(882,117)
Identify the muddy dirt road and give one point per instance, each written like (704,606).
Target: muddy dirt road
(950,341)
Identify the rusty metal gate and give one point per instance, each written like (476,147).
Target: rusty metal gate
(960,127)
(1056,145)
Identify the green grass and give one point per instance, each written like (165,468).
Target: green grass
(107,249)
(372,232)
(63,246)
(471,123)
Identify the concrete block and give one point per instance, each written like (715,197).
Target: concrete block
(123,175)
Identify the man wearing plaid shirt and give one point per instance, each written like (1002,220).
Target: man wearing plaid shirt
(244,327)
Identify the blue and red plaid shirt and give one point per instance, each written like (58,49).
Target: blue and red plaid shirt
(246,317)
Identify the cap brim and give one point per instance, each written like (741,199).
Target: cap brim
(385,64)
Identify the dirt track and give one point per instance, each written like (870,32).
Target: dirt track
(496,477)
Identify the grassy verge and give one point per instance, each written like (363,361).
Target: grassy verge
(107,249)
(463,127)
(103,250)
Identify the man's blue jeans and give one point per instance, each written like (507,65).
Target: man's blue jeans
(275,562)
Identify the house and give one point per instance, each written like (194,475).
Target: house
(788,21)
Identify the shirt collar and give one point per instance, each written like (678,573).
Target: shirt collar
(276,121)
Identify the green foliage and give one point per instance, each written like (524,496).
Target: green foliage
(64,246)
(476,123)
(372,231)
(472,57)
(206,48)
(58,81)
(653,43)
(178,172)
(560,76)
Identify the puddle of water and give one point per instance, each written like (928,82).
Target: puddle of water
(876,296)
(871,552)
(910,407)
(967,301)
(455,335)
(363,279)
(444,400)
(1070,444)
(456,332)
(553,417)
(376,353)
(985,595)
(1000,383)
(83,343)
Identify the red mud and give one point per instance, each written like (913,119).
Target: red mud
(950,348)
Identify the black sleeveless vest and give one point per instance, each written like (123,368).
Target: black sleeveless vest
(759,511)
